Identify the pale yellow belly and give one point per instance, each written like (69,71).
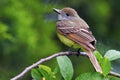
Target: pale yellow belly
(68,42)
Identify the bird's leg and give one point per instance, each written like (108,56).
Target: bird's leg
(79,51)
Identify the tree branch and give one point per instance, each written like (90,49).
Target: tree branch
(114,74)
(41,61)
(49,58)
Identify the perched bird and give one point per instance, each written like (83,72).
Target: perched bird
(74,31)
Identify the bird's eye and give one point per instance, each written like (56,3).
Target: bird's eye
(67,14)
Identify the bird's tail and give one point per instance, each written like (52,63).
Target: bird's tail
(94,61)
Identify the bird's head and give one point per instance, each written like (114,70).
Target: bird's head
(66,14)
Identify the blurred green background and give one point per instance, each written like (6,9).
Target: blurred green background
(28,32)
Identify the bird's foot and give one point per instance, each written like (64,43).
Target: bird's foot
(79,52)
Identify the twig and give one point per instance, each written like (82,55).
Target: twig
(114,74)
(44,60)
(49,58)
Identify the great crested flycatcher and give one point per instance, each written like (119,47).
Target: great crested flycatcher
(74,31)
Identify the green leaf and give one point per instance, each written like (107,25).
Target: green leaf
(98,56)
(106,66)
(56,70)
(90,76)
(104,62)
(46,68)
(35,74)
(44,73)
(113,78)
(66,67)
(112,54)
(95,76)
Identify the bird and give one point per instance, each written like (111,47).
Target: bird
(73,31)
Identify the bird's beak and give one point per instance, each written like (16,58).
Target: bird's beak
(57,10)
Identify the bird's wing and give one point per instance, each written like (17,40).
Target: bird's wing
(82,36)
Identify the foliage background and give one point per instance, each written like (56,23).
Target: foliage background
(28,33)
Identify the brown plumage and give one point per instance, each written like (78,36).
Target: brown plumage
(76,29)
(80,35)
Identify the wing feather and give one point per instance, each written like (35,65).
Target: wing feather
(82,36)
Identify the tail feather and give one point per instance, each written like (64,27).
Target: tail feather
(94,61)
